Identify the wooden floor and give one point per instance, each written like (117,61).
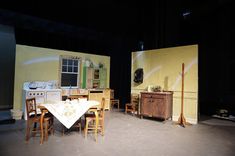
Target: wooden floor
(126,135)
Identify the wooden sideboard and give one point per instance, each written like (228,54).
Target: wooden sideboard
(99,94)
(90,94)
(156,104)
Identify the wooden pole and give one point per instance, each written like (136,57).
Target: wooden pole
(182,120)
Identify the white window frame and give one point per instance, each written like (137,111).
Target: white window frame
(72,66)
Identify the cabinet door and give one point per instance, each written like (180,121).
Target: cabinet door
(103,77)
(53,96)
(87,77)
(146,107)
(158,107)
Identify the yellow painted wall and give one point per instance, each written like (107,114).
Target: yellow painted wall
(42,64)
(163,67)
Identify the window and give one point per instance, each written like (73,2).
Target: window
(70,71)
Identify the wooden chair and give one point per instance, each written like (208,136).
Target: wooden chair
(133,105)
(113,101)
(46,124)
(95,122)
(45,121)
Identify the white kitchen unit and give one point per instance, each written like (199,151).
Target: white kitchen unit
(42,95)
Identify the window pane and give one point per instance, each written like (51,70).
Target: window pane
(70,68)
(70,62)
(64,68)
(69,79)
(75,63)
(75,69)
(64,62)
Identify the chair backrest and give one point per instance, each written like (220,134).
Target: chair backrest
(111,94)
(134,98)
(31,107)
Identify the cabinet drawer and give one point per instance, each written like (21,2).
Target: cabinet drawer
(155,96)
(146,95)
(158,97)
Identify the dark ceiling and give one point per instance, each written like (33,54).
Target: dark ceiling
(127,18)
(156,23)
(103,16)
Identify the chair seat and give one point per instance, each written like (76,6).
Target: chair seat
(92,124)
(132,107)
(95,121)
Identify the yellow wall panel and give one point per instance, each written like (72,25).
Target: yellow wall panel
(163,67)
(42,64)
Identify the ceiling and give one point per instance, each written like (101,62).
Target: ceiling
(103,16)
(125,18)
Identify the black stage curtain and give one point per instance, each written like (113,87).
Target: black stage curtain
(7,66)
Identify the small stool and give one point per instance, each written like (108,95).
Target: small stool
(114,102)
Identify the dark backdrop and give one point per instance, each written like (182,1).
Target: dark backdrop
(116,28)
(7,66)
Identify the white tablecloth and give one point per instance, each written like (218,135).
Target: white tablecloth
(68,112)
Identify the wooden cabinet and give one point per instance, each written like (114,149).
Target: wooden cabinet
(156,104)
(87,77)
(94,77)
(103,77)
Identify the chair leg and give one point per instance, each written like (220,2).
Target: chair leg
(102,127)
(96,125)
(41,134)
(133,113)
(34,129)
(27,132)
(80,125)
(80,128)
(63,129)
(111,105)
(53,130)
(86,129)
(46,130)
(52,124)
